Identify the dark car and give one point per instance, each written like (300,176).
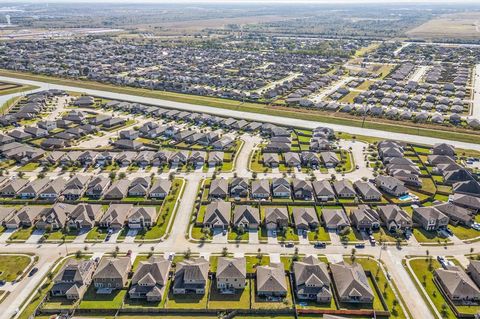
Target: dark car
(320,245)
(360,246)
(289,245)
(33,271)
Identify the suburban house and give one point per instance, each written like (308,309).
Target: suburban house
(329,159)
(115,216)
(365,218)
(312,280)
(344,189)
(302,189)
(54,218)
(75,187)
(367,191)
(139,187)
(217,215)
(239,187)
(443,149)
(271,160)
(467,201)
(53,189)
(97,186)
(457,285)
(191,276)
(111,274)
(231,274)
(430,218)
(473,271)
(456,214)
(160,188)
(260,189)
(26,216)
(142,217)
(33,189)
(335,219)
(118,189)
(276,217)
(351,283)
(391,185)
(394,218)
(84,216)
(323,190)
(305,218)
(150,279)
(218,188)
(281,188)
(271,281)
(246,216)
(73,279)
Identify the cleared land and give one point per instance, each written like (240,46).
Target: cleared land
(457,25)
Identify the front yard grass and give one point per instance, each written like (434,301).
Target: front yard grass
(257,260)
(30,167)
(62,235)
(166,212)
(463,232)
(21,235)
(424,236)
(96,235)
(320,234)
(239,300)
(12,266)
(235,236)
(423,269)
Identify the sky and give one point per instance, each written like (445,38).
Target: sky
(256,2)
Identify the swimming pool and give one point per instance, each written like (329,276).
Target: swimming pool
(404,198)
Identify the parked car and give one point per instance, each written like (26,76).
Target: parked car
(289,245)
(359,245)
(33,271)
(320,245)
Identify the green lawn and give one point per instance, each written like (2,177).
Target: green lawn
(254,261)
(92,300)
(188,301)
(234,236)
(424,274)
(166,212)
(424,236)
(239,300)
(22,234)
(12,266)
(96,235)
(380,278)
(320,234)
(60,235)
(383,235)
(463,232)
(30,167)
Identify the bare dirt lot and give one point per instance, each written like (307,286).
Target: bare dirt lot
(458,25)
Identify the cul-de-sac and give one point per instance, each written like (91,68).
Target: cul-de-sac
(239,160)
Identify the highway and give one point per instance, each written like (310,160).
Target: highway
(246,115)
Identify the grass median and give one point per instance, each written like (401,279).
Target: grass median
(443,132)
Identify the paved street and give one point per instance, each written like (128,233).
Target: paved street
(245,115)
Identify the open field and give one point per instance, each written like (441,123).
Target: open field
(457,25)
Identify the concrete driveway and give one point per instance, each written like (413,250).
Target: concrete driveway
(130,237)
(81,236)
(303,240)
(253,237)
(6,234)
(219,237)
(35,236)
(272,238)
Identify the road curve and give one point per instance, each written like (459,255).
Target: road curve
(286,121)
